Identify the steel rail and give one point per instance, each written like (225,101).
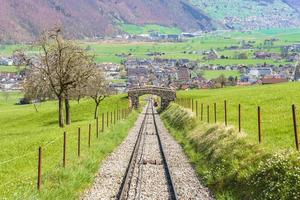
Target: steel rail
(166,165)
(125,186)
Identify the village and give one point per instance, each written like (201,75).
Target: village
(182,73)
(185,74)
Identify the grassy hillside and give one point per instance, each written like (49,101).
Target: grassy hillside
(275,102)
(252,14)
(220,9)
(108,51)
(137,30)
(23,130)
(211,74)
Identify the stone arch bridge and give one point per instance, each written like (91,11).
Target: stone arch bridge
(166,94)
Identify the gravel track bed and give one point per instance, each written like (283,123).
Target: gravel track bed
(111,173)
(186,181)
(149,179)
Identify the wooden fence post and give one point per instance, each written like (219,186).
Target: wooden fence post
(197,109)
(111,118)
(225,112)
(39,181)
(97,127)
(202,112)
(192,105)
(64,149)
(107,119)
(102,122)
(295,127)
(207,113)
(215,112)
(259,124)
(78,143)
(90,130)
(239,116)
(114,116)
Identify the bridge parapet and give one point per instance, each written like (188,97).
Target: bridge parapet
(166,94)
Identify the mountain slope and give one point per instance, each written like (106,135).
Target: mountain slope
(252,14)
(293,4)
(24,20)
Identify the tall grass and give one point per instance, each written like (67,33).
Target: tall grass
(232,166)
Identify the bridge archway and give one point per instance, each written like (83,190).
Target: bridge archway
(166,94)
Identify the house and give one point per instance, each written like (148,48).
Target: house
(273,80)
(262,55)
(187,35)
(255,74)
(184,87)
(183,74)
(212,55)
(260,72)
(6,61)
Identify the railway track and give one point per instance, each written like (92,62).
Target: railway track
(147,175)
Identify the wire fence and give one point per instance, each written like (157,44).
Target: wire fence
(273,126)
(27,171)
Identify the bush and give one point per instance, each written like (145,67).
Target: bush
(179,117)
(25,101)
(278,177)
(230,165)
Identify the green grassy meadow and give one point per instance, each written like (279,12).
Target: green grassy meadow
(275,102)
(137,30)
(211,74)
(23,130)
(10,68)
(107,51)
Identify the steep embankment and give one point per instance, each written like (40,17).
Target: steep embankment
(232,166)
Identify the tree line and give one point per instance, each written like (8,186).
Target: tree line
(62,70)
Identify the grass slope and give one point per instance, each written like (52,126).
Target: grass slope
(275,102)
(232,166)
(106,51)
(211,74)
(137,30)
(23,130)
(10,68)
(219,9)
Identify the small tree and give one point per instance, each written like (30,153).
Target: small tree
(97,89)
(221,80)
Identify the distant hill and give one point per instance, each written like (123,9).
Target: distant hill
(294,4)
(252,14)
(24,20)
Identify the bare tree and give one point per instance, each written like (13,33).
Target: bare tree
(97,89)
(63,66)
(36,89)
(222,80)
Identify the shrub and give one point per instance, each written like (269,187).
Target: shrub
(230,165)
